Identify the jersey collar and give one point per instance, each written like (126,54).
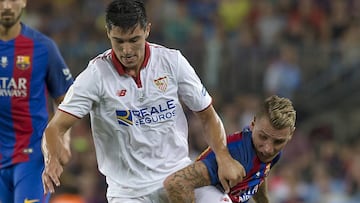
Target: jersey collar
(120,68)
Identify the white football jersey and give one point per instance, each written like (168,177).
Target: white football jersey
(139,128)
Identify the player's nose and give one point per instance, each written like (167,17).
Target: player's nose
(268,149)
(5,4)
(126,48)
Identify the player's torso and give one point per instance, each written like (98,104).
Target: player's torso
(146,120)
(148,101)
(251,183)
(23,109)
(256,171)
(23,64)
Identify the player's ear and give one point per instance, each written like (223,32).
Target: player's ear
(107,29)
(147,30)
(252,124)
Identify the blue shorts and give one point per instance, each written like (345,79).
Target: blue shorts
(22,183)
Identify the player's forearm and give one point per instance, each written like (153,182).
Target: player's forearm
(57,136)
(186,195)
(214,131)
(180,186)
(53,136)
(217,139)
(52,141)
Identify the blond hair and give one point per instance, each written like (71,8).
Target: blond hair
(280,112)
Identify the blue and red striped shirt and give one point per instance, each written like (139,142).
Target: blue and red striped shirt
(241,148)
(30,67)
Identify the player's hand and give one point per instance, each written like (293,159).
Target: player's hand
(230,172)
(51,174)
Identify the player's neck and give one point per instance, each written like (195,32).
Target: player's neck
(133,72)
(9,33)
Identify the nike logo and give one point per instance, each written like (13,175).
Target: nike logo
(31,200)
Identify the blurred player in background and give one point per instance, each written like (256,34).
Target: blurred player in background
(258,147)
(133,94)
(31,67)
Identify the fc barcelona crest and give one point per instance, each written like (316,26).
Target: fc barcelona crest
(23,62)
(161,83)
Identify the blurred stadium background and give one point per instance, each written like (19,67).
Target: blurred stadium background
(243,50)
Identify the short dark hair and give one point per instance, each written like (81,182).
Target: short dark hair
(126,14)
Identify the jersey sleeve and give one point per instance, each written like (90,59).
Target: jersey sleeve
(191,91)
(212,167)
(58,78)
(83,93)
(237,149)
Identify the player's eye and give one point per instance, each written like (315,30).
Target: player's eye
(278,142)
(134,40)
(263,137)
(119,41)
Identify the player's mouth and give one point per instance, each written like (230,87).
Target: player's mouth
(264,157)
(129,59)
(6,18)
(7,15)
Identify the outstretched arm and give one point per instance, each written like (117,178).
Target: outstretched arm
(230,171)
(261,195)
(180,185)
(66,138)
(55,149)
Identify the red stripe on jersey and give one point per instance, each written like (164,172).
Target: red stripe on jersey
(234,137)
(121,69)
(23,59)
(231,138)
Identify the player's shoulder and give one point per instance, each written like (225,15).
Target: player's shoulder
(34,34)
(38,38)
(97,67)
(160,50)
(236,136)
(102,57)
(100,61)
(243,137)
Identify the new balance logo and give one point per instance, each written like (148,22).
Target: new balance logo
(121,93)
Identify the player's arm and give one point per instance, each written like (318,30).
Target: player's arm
(261,196)
(59,100)
(180,185)
(66,138)
(54,149)
(230,171)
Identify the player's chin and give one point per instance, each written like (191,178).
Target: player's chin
(265,159)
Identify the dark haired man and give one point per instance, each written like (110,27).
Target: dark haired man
(31,69)
(132,92)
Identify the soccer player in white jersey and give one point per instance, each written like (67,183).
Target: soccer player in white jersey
(132,92)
